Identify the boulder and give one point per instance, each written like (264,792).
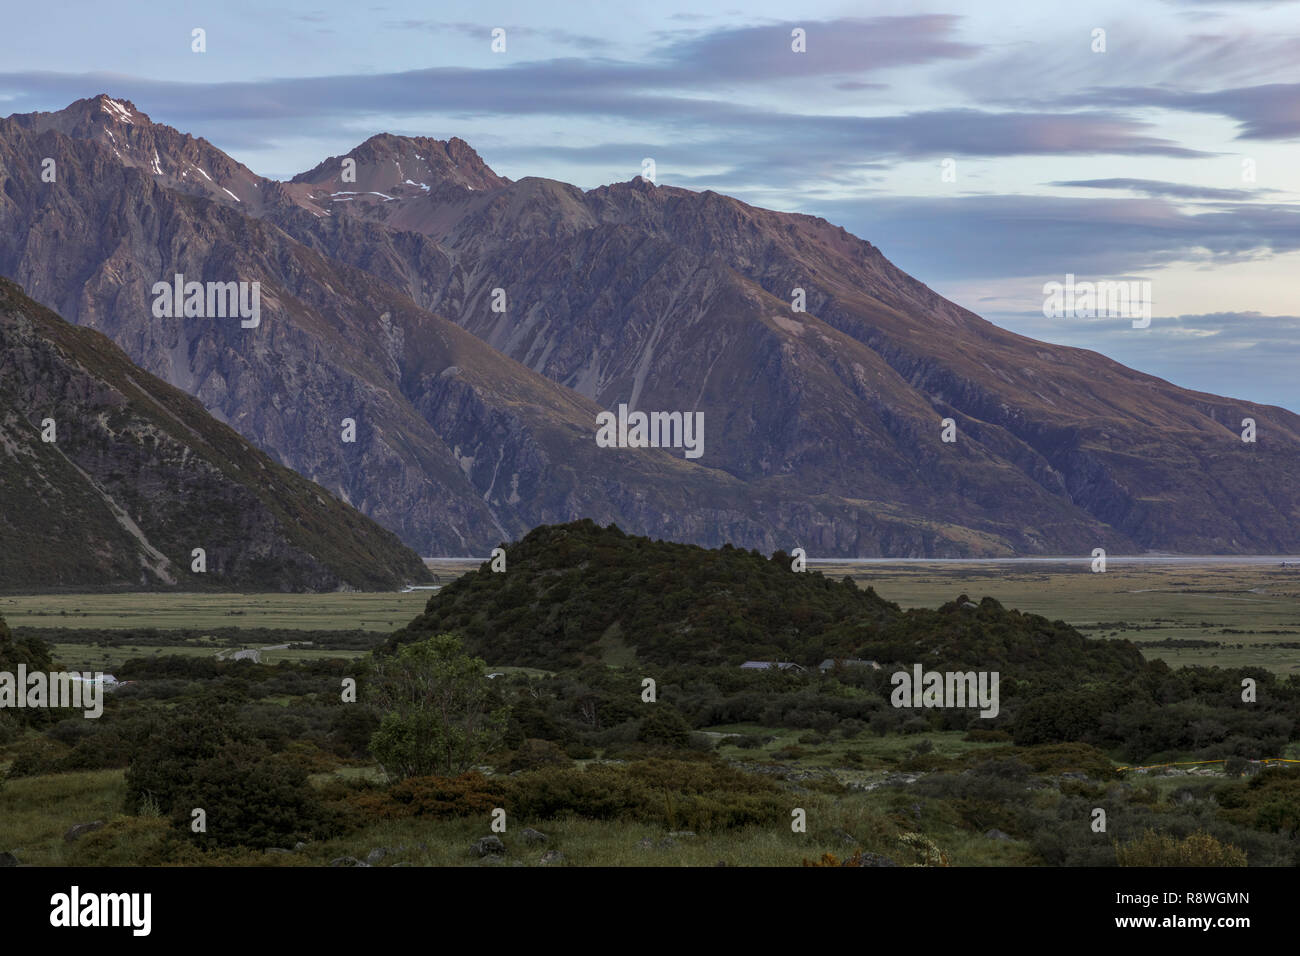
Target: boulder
(997,835)
(347,861)
(7,858)
(551,857)
(377,854)
(533,837)
(488,846)
(79,829)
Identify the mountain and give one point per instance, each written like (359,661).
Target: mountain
(822,427)
(647,294)
(137,475)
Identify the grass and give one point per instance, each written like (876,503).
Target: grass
(876,753)
(1142,603)
(371,611)
(1258,606)
(88,657)
(35,812)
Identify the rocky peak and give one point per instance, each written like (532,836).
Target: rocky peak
(405,166)
(176,159)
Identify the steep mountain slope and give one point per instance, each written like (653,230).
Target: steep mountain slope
(822,427)
(456,445)
(137,475)
(847,395)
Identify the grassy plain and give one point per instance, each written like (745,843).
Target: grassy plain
(1249,611)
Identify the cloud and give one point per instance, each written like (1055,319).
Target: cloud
(1237,354)
(1155,187)
(1267,112)
(969,237)
(484,32)
(598,89)
(846,46)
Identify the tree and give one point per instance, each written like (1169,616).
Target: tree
(439,713)
(31,651)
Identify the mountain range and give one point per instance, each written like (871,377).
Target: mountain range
(473,327)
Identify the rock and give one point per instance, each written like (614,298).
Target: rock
(997,835)
(404,863)
(488,846)
(844,837)
(377,854)
(667,843)
(8,859)
(681,833)
(276,849)
(300,846)
(552,856)
(1074,775)
(646,844)
(347,861)
(533,837)
(82,828)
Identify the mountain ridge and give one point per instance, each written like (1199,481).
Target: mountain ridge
(825,423)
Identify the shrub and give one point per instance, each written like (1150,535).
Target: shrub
(664,726)
(1160,849)
(251,799)
(534,754)
(981,736)
(445,797)
(134,841)
(164,761)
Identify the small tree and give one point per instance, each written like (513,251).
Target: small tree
(438,711)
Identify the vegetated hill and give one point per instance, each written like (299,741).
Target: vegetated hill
(139,474)
(1025,648)
(578,593)
(575,593)
(822,427)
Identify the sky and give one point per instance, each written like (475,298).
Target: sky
(987,148)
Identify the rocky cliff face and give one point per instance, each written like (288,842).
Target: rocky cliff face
(111,478)
(643,294)
(822,427)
